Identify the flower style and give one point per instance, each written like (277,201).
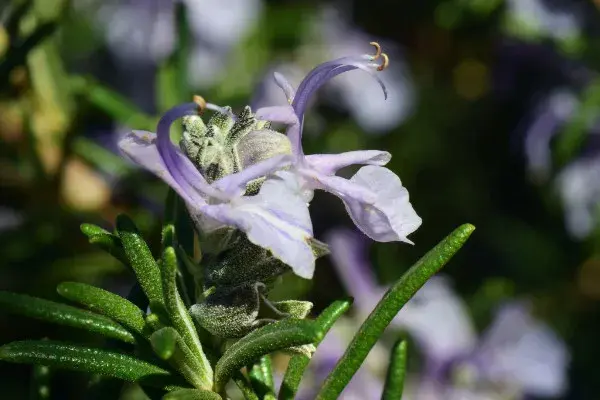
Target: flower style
(374,197)
(276,218)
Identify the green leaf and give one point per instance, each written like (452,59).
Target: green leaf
(244,386)
(140,258)
(112,103)
(261,377)
(63,314)
(394,299)
(169,345)
(276,336)
(154,321)
(298,363)
(106,241)
(192,394)
(104,302)
(164,342)
(176,214)
(394,383)
(331,314)
(180,318)
(179,233)
(85,359)
(168,236)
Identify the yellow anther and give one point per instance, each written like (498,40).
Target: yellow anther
(377,50)
(201,103)
(385,63)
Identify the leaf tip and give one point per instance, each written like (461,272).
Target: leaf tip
(90,230)
(463,232)
(468,228)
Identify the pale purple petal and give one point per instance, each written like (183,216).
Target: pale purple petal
(337,185)
(235,184)
(392,217)
(329,164)
(519,350)
(276,219)
(375,200)
(140,147)
(349,255)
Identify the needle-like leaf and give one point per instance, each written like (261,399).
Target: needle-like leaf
(394,299)
(63,314)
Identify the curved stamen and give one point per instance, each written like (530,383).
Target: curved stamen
(377,50)
(385,63)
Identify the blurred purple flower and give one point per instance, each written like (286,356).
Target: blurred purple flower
(218,26)
(555,110)
(577,183)
(516,354)
(579,189)
(143,31)
(535,18)
(349,253)
(519,351)
(374,197)
(566,107)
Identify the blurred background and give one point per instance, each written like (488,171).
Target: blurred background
(493,118)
